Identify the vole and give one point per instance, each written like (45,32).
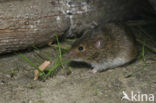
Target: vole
(107,46)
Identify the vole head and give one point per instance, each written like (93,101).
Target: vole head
(85,49)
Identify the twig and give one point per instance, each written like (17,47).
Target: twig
(42,67)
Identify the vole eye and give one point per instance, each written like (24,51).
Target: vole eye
(80,48)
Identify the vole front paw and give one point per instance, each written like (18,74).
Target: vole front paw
(93,71)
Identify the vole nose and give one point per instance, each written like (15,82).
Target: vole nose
(72,55)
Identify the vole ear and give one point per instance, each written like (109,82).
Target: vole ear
(98,44)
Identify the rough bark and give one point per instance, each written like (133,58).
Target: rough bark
(25,23)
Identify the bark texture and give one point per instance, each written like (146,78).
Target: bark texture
(25,23)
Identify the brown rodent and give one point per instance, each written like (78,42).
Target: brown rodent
(107,46)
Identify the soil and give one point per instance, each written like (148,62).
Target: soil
(17,84)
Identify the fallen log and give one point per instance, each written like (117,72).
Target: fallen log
(25,23)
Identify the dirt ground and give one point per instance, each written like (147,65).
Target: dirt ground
(17,84)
